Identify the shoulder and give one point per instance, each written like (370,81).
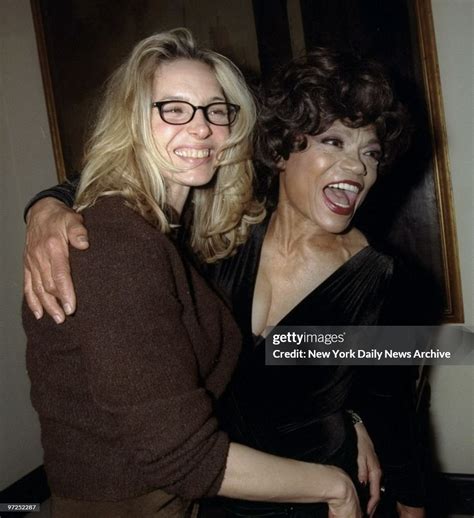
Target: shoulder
(111,222)
(129,266)
(370,248)
(121,240)
(113,211)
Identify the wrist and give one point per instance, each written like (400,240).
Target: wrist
(44,207)
(355,417)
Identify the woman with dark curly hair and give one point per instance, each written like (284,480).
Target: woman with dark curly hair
(329,124)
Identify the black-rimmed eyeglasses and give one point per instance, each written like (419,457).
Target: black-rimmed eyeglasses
(182,112)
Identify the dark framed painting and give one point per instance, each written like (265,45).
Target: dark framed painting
(80,42)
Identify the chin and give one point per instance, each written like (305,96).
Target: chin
(334,225)
(197,178)
(339,229)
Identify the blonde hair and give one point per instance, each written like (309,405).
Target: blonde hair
(121,157)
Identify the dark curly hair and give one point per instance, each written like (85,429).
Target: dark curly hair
(307,95)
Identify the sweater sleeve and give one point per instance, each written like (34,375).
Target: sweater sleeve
(64,192)
(138,354)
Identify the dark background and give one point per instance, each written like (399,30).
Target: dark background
(86,39)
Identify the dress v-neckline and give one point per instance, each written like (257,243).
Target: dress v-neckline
(304,300)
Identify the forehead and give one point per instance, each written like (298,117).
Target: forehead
(185,78)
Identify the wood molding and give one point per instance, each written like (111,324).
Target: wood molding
(48,89)
(454,312)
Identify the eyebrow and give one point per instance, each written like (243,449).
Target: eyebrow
(374,141)
(344,132)
(186,99)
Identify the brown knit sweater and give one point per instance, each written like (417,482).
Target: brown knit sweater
(124,388)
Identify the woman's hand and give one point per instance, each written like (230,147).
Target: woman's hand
(369,466)
(47,280)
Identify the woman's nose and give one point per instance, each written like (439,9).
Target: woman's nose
(353,164)
(199,126)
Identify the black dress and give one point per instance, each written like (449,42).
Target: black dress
(299,411)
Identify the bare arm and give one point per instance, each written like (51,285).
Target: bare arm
(51,225)
(253,475)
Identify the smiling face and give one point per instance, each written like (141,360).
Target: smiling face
(328,181)
(191,147)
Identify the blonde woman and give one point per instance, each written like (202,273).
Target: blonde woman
(125,388)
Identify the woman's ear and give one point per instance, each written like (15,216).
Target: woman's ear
(281,164)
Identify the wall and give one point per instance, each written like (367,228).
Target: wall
(26,166)
(453,387)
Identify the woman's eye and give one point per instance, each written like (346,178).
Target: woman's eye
(217,111)
(333,142)
(376,154)
(173,110)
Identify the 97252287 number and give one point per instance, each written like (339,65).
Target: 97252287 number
(20,508)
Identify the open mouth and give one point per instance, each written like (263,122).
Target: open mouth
(341,197)
(192,152)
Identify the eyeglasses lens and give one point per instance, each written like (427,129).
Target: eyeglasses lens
(221,113)
(176,112)
(180,112)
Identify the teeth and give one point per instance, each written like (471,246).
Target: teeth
(193,153)
(345,187)
(342,205)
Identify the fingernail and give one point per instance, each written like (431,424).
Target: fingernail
(58,319)
(83,239)
(37,315)
(67,308)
